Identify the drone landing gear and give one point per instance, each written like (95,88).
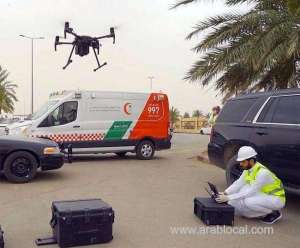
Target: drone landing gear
(99,65)
(69,59)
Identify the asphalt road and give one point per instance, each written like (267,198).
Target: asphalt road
(150,198)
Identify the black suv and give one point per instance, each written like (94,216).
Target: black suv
(267,121)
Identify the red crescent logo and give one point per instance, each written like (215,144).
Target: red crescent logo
(127,108)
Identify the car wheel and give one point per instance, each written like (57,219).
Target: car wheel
(20,167)
(121,154)
(201,132)
(233,170)
(145,150)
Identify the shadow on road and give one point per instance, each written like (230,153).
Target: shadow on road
(45,176)
(87,158)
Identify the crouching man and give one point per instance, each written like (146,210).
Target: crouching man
(258,193)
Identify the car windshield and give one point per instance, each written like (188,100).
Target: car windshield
(43,109)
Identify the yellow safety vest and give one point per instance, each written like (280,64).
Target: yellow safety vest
(212,119)
(275,188)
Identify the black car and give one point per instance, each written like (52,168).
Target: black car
(267,121)
(21,157)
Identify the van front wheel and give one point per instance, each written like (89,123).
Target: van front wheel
(145,150)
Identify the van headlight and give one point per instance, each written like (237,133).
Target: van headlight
(51,150)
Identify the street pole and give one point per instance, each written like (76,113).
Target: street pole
(31,76)
(32,39)
(151,78)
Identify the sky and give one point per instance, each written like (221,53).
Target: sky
(150,41)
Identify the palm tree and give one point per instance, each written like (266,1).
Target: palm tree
(248,52)
(294,7)
(197,113)
(174,115)
(7,93)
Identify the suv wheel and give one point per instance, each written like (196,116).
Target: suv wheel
(233,170)
(20,167)
(145,150)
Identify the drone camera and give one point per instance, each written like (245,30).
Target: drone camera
(83,49)
(96,45)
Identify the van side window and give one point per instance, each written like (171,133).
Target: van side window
(287,110)
(65,113)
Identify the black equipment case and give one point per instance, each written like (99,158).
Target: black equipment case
(213,213)
(1,238)
(81,222)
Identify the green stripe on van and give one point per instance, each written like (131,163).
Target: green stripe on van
(118,130)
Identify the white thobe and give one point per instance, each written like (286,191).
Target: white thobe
(248,200)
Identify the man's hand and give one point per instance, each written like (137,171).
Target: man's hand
(222,198)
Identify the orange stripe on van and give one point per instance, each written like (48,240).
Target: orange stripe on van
(154,120)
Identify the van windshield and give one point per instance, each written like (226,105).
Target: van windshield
(43,109)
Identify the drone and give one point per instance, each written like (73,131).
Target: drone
(82,44)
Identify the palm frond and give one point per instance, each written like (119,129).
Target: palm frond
(185,2)
(7,92)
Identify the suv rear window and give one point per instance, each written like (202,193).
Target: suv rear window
(287,110)
(235,110)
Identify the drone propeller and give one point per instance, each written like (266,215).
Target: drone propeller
(68,29)
(112,33)
(56,42)
(67,26)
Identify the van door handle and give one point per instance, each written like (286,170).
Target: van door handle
(261,133)
(76,126)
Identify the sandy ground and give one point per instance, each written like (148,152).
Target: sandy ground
(149,198)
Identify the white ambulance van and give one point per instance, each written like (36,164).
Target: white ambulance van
(102,122)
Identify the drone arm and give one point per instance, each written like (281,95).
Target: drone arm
(62,43)
(111,35)
(65,43)
(106,36)
(57,42)
(103,37)
(69,30)
(72,33)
